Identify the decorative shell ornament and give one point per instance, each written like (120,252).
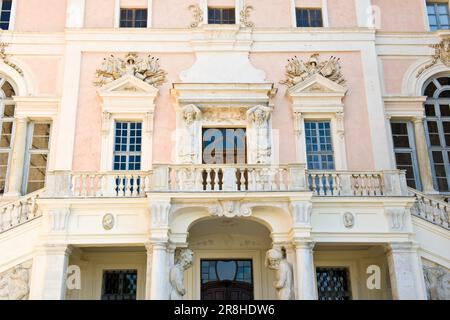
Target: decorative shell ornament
(298,70)
(146,69)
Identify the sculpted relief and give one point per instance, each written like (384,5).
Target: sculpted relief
(259,116)
(284,284)
(146,69)
(298,70)
(437,280)
(441,53)
(188,135)
(176,276)
(14,283)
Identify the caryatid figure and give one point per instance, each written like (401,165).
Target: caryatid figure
(284,284)
(188,136)
(176,275)
(260,116)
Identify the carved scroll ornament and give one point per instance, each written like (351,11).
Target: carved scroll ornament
(5,58)
(441,53)
(298,70)
(146,69)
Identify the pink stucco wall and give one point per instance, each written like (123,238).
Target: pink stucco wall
(99,14)
(394,71)
(32,15)
(402,15)
(279,12)
(342,13)
(46,73)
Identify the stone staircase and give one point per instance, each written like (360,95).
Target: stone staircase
(431,209)
(18,212)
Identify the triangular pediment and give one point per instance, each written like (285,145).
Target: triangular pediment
(317,85)
(128,84)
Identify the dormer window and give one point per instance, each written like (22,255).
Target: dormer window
(221,15)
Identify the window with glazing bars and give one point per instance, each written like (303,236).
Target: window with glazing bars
(7,107)
(221,16)
(5,14)
(133,18)
(333,283)
(38,148)
(319,146)
(119,285)
(438,15)
(405,152)
(308,17)
(437,126)
(127,146)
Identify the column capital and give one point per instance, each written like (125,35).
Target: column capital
(418,119)
(54,249)
(305,244)
(400,247)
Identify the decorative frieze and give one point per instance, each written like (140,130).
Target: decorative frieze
(146,69)
(298,71)
(441,53)
(230,209)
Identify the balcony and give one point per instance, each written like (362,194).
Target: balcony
(227,178)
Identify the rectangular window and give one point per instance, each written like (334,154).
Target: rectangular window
(224,145)
(119,285)
(38,149)
(308,18)
(128,146)
(5,14)
(405,152)
(333,283)
(6,129)
(438,15)
(133,18)
(221,15)
(319,145)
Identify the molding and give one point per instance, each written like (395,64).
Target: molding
(37,107)
(404,106)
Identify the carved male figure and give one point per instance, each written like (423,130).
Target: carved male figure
(188,138)
(284,284)
(260,115)
(176,275)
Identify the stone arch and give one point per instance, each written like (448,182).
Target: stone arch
(275,218)
(413,83)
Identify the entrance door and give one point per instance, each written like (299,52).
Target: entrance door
(227,280)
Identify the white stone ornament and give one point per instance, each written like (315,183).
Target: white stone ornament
(14,284)
(176,276)
(298,71)
(259,116)
(230,209)
(437,280)
(284,284)
(441,53)
(188,134)
(349,220)
(108,221)
(145,69)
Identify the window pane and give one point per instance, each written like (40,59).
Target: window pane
(4,157)
(127,146)
(309,17)
(6,134)
(36,172)
(41,136)
(319,148)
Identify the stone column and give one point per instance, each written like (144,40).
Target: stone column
(159,280)
(49,272)
(305,272)
(148,276)
(423,156)
(405,271)
(16,166)
(75,13)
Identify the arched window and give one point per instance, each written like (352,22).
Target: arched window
(7,108)
(437,125)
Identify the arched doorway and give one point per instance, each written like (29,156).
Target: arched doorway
(437,126)
(229,260)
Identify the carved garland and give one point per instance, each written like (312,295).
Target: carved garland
(298,70)
(146,69)
(197,16)
(245,17)
(5,58)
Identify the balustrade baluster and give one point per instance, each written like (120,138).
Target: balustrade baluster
(209,186)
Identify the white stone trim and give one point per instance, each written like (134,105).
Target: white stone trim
(362,8)
(75,13)
(117,6)
(413,85)
(117,14)
(12,19)
(325,20)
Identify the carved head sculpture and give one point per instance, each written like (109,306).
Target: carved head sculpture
(314,60)
(190,113)
(186,258)
(259,115)
(273,258)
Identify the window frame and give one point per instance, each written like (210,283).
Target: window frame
(118,6)
(127,153)
(221,9)
(133,20)
(29,152)
(308,9)
(443,148)
(412,150)
(436,13)
(12,14)
(320,152)
(3,102)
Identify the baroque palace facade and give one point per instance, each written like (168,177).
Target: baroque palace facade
(224,149)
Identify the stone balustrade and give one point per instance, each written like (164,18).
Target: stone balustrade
(430,209)
(359,184)
(115,184)
(19,212)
